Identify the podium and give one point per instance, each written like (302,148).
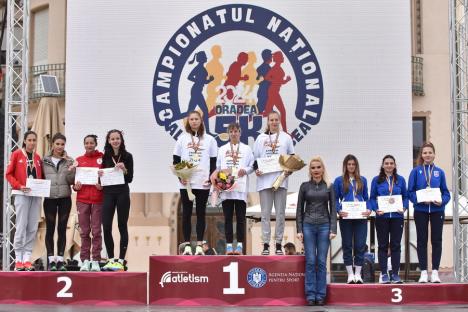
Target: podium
(226,280)
(86,288)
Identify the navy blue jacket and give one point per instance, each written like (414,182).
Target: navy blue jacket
(381,189)
(417,181)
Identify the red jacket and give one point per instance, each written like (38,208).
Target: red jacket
(17,169)
(89,194)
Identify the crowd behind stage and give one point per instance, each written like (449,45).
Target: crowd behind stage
(202,167)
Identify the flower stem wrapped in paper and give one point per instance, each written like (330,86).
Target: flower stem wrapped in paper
(289,163)
(184,171)
(223,182)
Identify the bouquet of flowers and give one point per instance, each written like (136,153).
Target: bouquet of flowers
(184,171)
(290,163)
(224,182)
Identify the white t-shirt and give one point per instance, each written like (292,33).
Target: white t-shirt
(245,161)
(55,160)
(207,148)
(263,148)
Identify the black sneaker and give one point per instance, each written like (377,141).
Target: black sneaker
(266,250)
(61,266)
(52,266)
(279,250)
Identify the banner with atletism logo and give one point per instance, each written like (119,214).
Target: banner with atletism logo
(221,280)
(337,71)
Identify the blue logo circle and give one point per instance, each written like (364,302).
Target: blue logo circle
(257,277)
(288,80)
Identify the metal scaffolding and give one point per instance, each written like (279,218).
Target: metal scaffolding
(16,107)
(459,113)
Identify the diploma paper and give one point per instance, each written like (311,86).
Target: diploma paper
(429,195)
(354,209)
(390,203)
(86,175)
(269,164)
(39,188)
(112,176)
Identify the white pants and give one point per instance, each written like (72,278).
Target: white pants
(27,218)
(267,198)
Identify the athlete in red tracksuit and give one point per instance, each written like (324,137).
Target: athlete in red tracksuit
(25,163)
(89,207)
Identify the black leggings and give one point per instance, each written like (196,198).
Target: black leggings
(111,201)
(229,205)
(52,207)
(201,197)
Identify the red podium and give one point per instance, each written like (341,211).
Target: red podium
(226,280)
(105,288)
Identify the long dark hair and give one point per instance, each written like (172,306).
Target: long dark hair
(201,129)
(427,144)
(382,175)
(357,175)
(108,150)
(26,135)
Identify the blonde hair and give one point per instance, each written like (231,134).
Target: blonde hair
(325,178)
(267,129)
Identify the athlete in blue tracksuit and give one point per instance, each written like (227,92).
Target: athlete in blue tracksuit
(388,182)
(427,175)
(350,187)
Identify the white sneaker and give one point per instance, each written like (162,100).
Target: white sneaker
(188,250)
(435,276)
(199,251)
(350,279)
(358,279)
(95,266)
(423,277)
(85,266)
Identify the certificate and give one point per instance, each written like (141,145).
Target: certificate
(39,188)
(429,195)
(354,209)
(86,175)
(112,176)
(269,164)
(391,203)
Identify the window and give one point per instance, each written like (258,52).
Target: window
(40,37)
(419,136)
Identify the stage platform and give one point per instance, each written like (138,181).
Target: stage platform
(84,288)
(191,281)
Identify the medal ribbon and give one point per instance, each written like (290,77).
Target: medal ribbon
(273,145)
(234,155)
(118,160)
(29,161)
(195,146)
(390,185)
(354,189)
(428,178)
